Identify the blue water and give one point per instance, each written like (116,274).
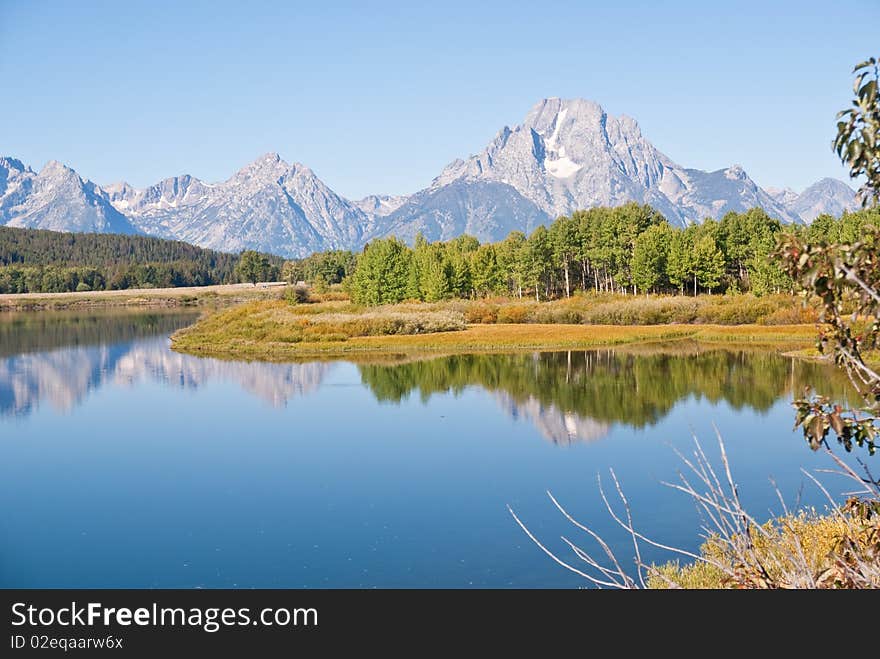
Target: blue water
(124,464)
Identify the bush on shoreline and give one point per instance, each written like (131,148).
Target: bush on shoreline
(600,309)
(788,545)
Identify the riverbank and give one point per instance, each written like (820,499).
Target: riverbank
(188,296)
(278,331)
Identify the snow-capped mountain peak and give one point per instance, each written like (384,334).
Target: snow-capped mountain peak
(566,155)
(570,154)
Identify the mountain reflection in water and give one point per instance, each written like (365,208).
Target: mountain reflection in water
(574,396)
(569,396)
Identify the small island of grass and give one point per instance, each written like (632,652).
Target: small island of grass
(278,330)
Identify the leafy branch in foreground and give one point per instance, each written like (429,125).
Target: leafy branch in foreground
(858,129)
(840,549)
(845,277)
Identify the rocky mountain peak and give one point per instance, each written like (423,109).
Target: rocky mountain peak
(736,173)
(827,195)
(566,155)
(55,169)
(58,199)
(268,168)
(9,163)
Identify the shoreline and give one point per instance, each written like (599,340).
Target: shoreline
(141,297)
(499,338)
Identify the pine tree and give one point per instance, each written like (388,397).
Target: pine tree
(250,267)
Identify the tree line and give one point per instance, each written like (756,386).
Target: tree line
(610,386)
(627,249)
(37,261)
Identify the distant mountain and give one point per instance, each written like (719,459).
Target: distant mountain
(783,196)
(826,196)
(56,198)
(269,205)
(486,209)
(570,154)
(566,155)
(379,204)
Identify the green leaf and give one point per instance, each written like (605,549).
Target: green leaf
(869,92)
(858,83)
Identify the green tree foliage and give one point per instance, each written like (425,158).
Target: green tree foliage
(650,253)
(321,269)
(563,241)
(679,259)
(839,263)
(36,261)
(708,263)
(487,274)
(766,274)
(607,250)
(858,131)
(253,267)
(536,257)
(509,252)
(435,280)
(382,273)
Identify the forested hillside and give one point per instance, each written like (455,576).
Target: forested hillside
(35,261)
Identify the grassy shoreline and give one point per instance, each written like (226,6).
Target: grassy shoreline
(277,331)
(185,296)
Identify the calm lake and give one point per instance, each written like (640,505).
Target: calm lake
(124,464)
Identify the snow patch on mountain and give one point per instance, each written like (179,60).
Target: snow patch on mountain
(566,155)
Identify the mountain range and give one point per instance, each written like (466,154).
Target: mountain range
(566,155)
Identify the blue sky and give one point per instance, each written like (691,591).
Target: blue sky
(379,96)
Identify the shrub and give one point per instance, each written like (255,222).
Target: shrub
(332,296)
(795,315)
(643,311)
(297,294)
(742,310)
(383,323)
(514,313)
(481,312)
(838,549)
(557,314)
(821,540)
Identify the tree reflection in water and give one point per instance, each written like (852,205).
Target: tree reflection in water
(575,396)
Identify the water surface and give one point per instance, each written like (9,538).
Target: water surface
(124,464)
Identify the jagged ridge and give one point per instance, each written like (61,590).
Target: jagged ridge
(566,155)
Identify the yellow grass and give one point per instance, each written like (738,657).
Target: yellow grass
(220,294)
(821,539)
(277,331)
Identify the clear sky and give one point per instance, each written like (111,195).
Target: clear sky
(379,96)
